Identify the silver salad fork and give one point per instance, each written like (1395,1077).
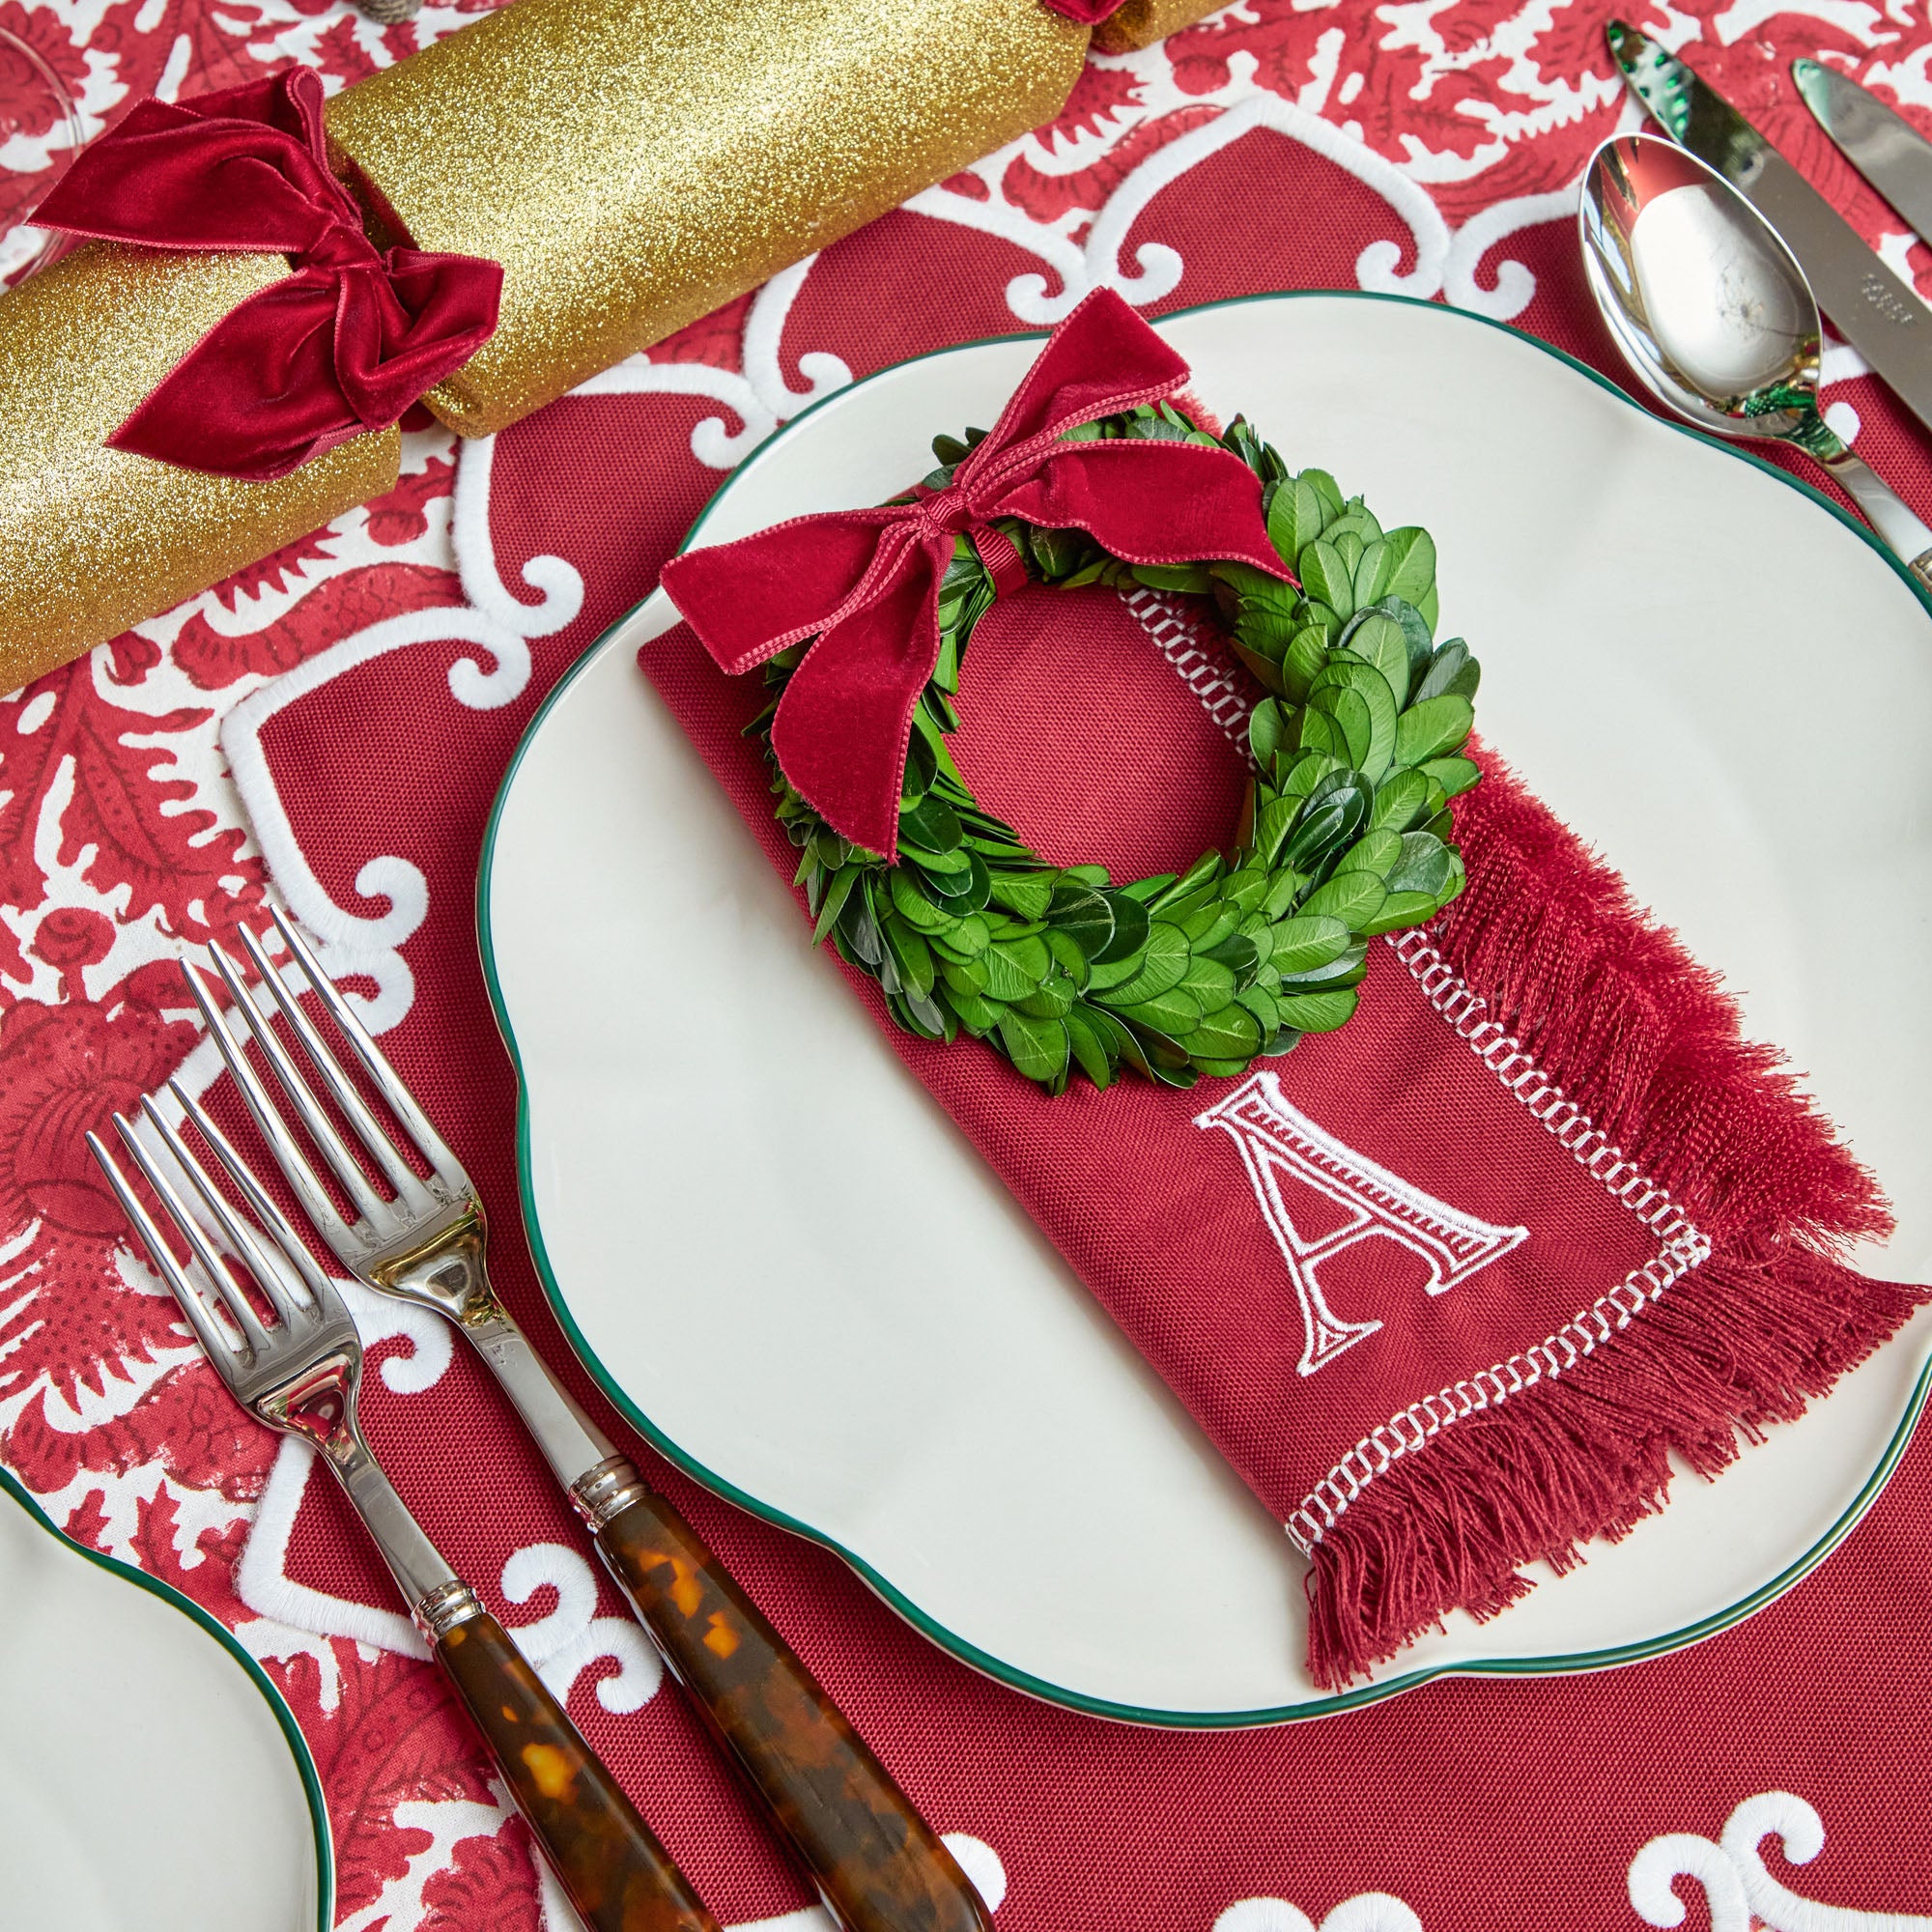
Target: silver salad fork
(422,1238)
(299,1370)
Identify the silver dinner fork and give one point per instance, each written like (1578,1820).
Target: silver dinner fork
(299,1370)
(423,1237)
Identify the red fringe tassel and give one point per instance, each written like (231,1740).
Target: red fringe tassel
(1647,1042)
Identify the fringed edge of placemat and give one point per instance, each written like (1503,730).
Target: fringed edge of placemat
(1648,1043)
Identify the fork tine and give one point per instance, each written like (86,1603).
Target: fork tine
(300,1095)
(381,1149)
(289,1157)
(398,1097)
(219,1347)
(241,1237)
(260,1201)
(226,1288)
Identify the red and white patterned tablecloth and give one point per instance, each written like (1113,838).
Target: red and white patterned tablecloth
(333,724)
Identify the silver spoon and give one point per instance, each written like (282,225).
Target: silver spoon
(1714,314)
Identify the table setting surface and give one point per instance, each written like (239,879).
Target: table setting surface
(1062,1618)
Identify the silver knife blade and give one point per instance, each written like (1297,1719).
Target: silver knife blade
(1880,315)
(1886,149)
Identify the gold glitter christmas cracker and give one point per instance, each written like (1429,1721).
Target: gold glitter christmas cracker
(634,163)
(92,539)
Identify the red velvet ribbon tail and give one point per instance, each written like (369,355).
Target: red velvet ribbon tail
(841,731)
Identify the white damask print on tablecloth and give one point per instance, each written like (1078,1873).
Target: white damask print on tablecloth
(1739,1893)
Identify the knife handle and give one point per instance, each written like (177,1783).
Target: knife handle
(877,1865)
(618,1875)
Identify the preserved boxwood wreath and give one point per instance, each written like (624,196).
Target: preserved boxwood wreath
(1345,833)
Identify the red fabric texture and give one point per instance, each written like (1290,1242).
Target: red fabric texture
(1519,1411)
(1089,12)
(865,583)
(341,346)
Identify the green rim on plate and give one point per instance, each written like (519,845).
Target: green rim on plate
(949,1641)
(128,1573)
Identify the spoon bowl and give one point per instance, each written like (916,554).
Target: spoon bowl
(1713,315)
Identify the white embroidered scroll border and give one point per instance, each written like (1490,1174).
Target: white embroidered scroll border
(1684,1247)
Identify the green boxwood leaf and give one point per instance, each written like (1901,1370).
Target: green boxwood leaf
(1208,981)
(1272,822)
(1422,867)
(1455,775)
(1038,1048)
(1090,1051)
(1163,959)
(1401,909)
(1052,1002)
(1353,898)
(1375,570)
(1412,572)
(912,905)
(1318,1012)
(1400,800)
(1432,729)
(1306,653)
(1266,729)
(1267,672)
(1358,519)
(834,901)
(1376,638)
(1348,713)
(1334,811)
(1230,1033)
(1028,894)
(1325,579)
(1172,1013)
(1085,916)
(1375,851)
(1007,978)
(1308,941)
(912,957)
(1450,671)
(1130,929)
(1327,489)
(1346,672)
(976,1014)
(1294,519)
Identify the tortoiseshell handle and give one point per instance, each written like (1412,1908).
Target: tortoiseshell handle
(618,1877)
(878,1866)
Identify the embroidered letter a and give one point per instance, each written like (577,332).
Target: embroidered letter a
(1274,1138)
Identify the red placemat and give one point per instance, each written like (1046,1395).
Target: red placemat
(338,721)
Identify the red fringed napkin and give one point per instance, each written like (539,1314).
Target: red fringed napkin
(1448,1286)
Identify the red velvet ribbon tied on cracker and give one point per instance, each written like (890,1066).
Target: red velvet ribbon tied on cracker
(865,582)
(341,346)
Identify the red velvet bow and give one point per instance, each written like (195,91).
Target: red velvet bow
(865,582)
(343,344)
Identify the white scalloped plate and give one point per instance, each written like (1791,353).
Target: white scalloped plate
(151,1777)
(1653,612)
